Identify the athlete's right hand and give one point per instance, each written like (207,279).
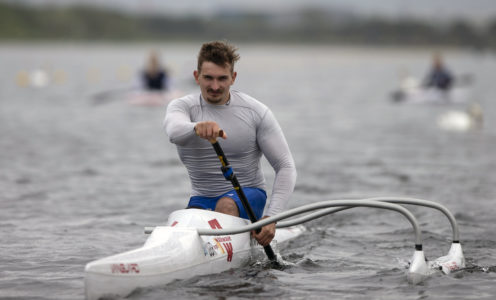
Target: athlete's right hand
(209,130)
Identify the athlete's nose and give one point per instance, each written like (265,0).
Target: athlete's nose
(215,84)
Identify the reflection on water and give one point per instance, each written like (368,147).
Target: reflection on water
(79,181)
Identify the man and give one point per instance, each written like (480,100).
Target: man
(154,76)
(249,130)
(439,77)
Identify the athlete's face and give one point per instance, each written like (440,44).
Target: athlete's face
(214,82)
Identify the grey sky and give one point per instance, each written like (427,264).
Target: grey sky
(475,10)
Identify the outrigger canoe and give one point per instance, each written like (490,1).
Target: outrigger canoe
(432,96)
(176,251)
(153,98)
(200,242)
(412,92)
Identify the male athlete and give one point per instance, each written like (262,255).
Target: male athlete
(249,130)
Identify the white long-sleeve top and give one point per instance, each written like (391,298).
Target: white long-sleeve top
(251,129)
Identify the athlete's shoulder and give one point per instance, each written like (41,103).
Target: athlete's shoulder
(245,100)
(189,100)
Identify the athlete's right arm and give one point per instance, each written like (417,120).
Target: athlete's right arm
(177,122)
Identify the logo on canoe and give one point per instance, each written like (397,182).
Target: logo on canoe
(452,266)
(209,249)
(214,224)
(223,242)
(125,268)
(229,249)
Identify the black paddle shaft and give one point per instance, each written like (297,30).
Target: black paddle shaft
(229,175)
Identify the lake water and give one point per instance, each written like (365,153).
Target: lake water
(80,177)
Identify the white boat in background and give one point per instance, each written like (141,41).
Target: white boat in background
(153,98)
(177,251)
(411,91)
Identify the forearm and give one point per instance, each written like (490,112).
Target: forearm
(282,189)
(276,150)
(178,125)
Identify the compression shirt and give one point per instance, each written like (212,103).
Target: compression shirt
(251,129)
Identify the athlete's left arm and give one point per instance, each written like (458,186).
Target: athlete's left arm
(273,144)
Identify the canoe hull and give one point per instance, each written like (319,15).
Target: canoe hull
(176,251)
(150,98)
(431,96)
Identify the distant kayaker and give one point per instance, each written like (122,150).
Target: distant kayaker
(250,130)
(154,75)
(439,77)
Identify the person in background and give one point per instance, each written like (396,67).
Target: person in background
(249,130)
(154,75)
(439,77)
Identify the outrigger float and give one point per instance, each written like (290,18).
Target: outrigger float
(200,242)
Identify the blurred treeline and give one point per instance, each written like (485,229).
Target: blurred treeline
(19,23)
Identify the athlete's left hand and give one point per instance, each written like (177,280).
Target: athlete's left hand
(265,236)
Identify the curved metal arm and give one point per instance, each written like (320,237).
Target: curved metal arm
(431,204)
(320,205)
(401,200)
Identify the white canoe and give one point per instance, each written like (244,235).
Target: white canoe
(176,251)
(432,95)
(153,98)
(412,91)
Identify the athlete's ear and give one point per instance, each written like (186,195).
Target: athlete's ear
(196,75)
(234,77)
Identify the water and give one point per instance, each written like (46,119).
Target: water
(79,180)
